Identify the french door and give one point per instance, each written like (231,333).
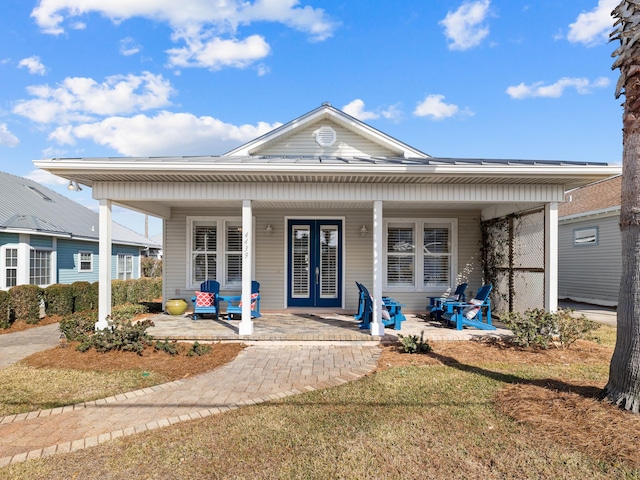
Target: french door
(315,263)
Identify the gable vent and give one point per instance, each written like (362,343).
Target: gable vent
(325,136)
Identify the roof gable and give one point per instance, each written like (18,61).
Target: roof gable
(326,131)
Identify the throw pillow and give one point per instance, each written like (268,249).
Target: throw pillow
(205,299)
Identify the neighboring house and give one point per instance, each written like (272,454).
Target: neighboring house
(46,238)
(326,200)
(589,244)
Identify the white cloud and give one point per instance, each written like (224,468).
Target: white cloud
(434,106)
(465,27)
(46,178)
(128,47)
(166,133)
(200,24)
(7,139)
(592,28)
(539,89)
(80,98)
(217,53)
(33,64)
(356,109)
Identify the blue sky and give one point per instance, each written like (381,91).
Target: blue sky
(518,79)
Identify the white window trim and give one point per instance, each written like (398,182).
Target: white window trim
(221,263)
(125,255)
(596,236)
(418,227)
(80,269)
(3,262)
(51,265)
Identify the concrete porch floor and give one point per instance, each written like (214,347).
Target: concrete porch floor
(311,326)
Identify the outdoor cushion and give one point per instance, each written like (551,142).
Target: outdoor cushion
(254,296)
(471,311)
(205,299)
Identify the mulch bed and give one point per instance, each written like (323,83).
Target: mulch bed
(171,366)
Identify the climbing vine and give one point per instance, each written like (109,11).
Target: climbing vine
(496,248)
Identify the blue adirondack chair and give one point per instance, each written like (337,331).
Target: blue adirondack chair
(436,304)
(234,308)
(475,313)
(392,307)
(210,286)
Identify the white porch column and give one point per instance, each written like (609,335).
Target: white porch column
(377,328)
(551,257)
(246,324)
(104,278)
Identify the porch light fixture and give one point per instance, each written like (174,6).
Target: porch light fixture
(268,231)
(74,186)
(363,230)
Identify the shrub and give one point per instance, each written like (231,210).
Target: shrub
(145,289)
(166,346)
(78,326)
(59,299)
(414,343)
(197,349)
(538,328)
(25,301)
(122,335)
(6,313)
(119,290)
(571,328)
(151,267)
(127,311)
(85,296)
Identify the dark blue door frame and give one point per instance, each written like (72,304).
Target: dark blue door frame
(314,277)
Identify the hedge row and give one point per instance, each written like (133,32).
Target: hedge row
(25,302)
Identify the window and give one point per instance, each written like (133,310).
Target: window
(204,253)
(85,261)
(125,266)
(10,267)
(215,250)
(585,236)
(40,267)
(233,254)
(420,255)
(401,255)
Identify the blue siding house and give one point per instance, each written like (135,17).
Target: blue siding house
(47,238)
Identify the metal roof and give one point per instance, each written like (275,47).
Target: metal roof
(27,206)
(324,169)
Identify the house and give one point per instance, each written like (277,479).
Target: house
(47,238)
(589,243)
(326,200)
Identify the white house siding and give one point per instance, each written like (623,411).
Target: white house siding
(270,253)
(348,144)
(590,273)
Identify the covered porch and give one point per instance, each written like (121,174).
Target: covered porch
(307,327)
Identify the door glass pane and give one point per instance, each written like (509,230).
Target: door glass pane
(300,286)
(328,261)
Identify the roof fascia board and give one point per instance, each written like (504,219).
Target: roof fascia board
(605,212)
(71,167)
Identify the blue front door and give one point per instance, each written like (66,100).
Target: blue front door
(315,263)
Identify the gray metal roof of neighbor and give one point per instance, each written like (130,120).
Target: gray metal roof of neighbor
(27,205)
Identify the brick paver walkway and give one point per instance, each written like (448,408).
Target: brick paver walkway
(258,374)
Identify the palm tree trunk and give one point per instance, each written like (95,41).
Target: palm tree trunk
(623,387)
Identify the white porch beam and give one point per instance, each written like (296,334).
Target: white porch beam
(104,278)
(246,324)
(377,328)
(551,257)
